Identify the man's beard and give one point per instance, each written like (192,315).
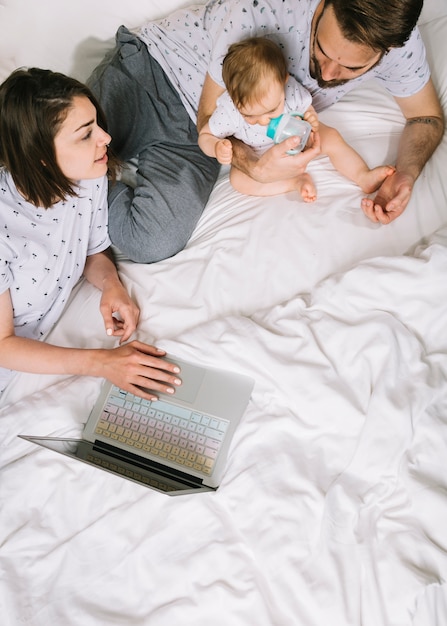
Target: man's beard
(315,72)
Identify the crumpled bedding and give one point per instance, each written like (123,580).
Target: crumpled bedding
(332,508)
(333,505)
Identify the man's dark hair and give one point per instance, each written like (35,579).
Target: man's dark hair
(378,24)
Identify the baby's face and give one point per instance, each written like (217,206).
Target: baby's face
(268,107)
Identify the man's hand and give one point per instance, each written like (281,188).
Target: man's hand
(391,199)
(423,131)
(275,164)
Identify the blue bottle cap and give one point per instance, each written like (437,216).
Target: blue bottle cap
(273,125)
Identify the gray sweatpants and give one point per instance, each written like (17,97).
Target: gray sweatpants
(148,121)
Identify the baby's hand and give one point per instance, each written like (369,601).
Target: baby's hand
(224,151)
(311,117)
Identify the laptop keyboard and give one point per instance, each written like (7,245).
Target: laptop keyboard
(188,438)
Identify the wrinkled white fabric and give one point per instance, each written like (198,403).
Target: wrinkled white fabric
(333,505)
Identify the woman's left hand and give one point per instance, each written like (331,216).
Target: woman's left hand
(119,311)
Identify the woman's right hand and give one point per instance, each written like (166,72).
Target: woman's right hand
(138,367)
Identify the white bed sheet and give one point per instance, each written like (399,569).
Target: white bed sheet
(333,507)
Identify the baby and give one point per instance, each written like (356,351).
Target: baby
(259,88)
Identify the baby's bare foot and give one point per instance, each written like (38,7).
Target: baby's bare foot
(372,179)
(305,186)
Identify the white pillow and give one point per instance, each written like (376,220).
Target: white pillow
(433,10)
(72,37)
(69,37)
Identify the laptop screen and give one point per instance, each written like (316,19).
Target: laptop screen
(113,460)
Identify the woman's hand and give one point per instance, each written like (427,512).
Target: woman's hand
(138,367)
(118,310)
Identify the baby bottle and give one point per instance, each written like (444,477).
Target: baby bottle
(289,125)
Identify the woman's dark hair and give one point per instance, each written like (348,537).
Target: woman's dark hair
(33,105)
(378,24)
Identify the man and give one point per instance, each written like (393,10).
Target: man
(151,90)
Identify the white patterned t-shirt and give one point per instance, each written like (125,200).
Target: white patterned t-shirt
(43,252)
(193,41)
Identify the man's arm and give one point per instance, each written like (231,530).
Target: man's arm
(208,98)
(275,164)
(422,133)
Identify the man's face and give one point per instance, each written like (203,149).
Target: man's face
(333,59)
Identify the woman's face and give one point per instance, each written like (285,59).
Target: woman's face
(80,144)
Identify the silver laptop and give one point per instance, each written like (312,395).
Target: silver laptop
(177,444)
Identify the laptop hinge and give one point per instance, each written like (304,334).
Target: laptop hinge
(153,466)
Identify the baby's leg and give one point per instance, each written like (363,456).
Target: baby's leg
(370,180)
(349,163)
(250,187)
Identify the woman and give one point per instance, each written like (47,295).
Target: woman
(53,225)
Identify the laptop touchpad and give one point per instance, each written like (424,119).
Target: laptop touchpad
(192,377)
